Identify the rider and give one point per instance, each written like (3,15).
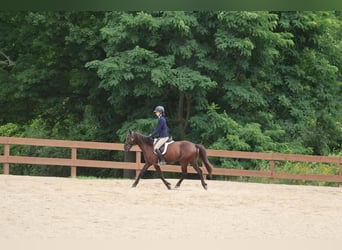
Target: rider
(162,131)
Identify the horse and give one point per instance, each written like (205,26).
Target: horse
(184,152)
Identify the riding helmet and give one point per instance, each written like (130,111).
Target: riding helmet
(159,109)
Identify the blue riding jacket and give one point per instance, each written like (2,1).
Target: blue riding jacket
(161,128)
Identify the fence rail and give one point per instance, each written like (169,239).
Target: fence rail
(73,162)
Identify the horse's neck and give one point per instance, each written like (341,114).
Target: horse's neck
(144,146)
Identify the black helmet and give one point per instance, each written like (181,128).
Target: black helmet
(159,109)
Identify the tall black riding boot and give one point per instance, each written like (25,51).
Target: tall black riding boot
(160,157)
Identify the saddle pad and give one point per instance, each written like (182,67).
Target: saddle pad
(163,148)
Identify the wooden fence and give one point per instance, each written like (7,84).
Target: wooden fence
(73,162)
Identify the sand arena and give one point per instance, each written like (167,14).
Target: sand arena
(55,208)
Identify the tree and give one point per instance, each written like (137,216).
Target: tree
(307,96)
(48,77)
(151,59)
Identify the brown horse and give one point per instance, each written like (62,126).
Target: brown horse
(184,152)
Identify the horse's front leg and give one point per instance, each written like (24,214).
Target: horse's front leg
(143,170)
(160,173)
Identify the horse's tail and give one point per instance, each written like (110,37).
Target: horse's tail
(204,158)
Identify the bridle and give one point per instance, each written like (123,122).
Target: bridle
(130,141)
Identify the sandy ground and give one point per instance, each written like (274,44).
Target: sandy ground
(54,208)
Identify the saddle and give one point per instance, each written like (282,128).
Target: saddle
(163,148)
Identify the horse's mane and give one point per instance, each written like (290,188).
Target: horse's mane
(146,139)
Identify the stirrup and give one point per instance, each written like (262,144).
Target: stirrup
(161,163)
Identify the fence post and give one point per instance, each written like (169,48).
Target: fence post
(73,168)
(129,173)
(6,154)
(270,180)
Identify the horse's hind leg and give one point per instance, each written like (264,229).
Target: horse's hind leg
(160,173)
(200,173)
(184,174)
(143,170)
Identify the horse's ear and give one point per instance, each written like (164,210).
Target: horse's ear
(130,131)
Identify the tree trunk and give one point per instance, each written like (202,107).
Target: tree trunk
(183,114)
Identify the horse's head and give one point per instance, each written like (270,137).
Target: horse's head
(130,140)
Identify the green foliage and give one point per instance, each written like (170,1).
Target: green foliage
(307,168)
(143,126)
(10,129)
(237,80)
